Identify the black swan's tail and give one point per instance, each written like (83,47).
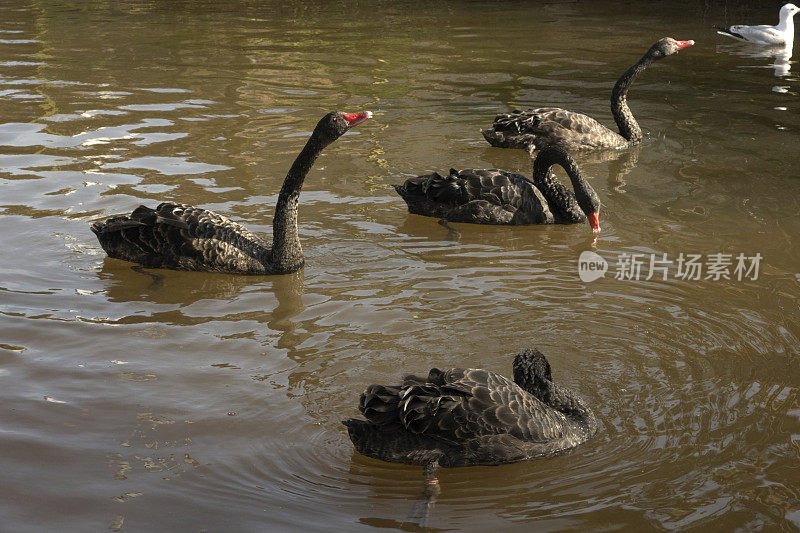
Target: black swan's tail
(111,233)
(431,195)
(413,188)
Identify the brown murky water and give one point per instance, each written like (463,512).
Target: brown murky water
(213,402)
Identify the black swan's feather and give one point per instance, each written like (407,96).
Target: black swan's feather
(471,416)
(183,237)
(483,196)
(539,127)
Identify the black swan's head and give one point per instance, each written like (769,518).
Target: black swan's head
(335,124)
(589,203)
(532,372)
(666,47)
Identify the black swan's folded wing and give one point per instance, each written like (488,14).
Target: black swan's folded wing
(462,186)
(550,125)
(459,405)
(183,237)
(482,196)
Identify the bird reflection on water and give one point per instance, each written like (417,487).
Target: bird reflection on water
(184,290)
(781,56)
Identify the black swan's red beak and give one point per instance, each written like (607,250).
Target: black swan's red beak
(684,44)
(594,222)
(354,119)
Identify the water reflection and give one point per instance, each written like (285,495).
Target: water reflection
(780,56)
(127,282)
(393,482)
(621,166)
(781,64)
(194,298)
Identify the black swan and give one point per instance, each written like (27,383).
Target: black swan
(545,125)
(780,35)
(491,196)
(462,417)
(182,237)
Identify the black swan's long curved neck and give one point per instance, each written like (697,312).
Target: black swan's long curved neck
(628,127)
(286,251)
(546,182)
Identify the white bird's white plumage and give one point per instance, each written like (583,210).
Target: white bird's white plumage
(780,35)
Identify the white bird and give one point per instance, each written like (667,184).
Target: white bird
(780,35)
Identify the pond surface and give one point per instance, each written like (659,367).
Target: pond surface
(194,401)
